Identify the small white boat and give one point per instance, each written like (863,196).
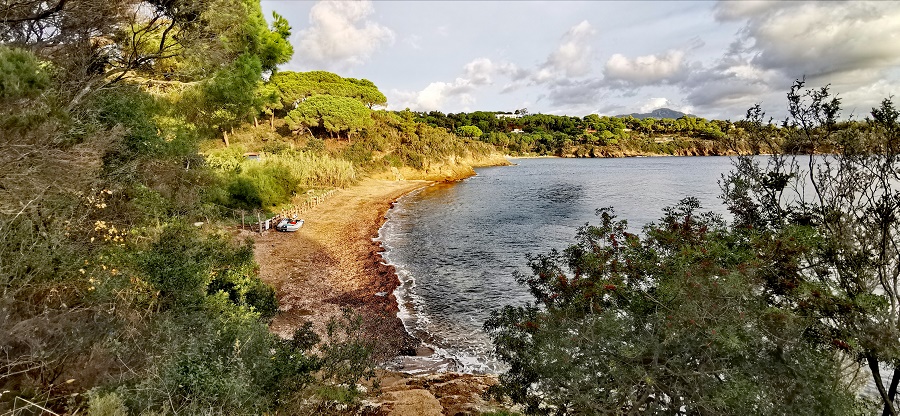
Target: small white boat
(289,224)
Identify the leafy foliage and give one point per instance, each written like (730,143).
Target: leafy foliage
(593,135)
(670,323)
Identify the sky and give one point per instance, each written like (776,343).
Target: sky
(711,59)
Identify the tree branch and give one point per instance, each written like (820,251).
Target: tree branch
(41,15)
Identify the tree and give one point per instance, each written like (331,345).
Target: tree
(469,131)
(669,323)
(333,114)
(274,46)
(848,281)
(294,87)
(367,92)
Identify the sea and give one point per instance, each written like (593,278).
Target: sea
(458,246)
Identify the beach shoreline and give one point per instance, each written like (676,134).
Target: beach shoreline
(334,262)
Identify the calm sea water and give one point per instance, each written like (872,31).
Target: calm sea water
(456,246)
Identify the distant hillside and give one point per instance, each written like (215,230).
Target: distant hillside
(658,113)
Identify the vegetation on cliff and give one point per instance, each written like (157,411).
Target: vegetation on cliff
(590,136)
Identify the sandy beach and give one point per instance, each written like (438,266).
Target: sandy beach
(333,262)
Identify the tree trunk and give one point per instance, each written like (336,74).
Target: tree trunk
(892,391)
(255,122)
(225,136)
(876,376)
(272,121)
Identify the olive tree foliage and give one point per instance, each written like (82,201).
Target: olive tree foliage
(848,282)
(668,323)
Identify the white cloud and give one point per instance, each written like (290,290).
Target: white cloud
(646,70)
(434,96)
(574,55)
(736,10)
(341,35)
(571,59)
(479,71)
(654,103)
(820,39)
(851,45)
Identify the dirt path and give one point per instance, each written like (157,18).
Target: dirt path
(332,262)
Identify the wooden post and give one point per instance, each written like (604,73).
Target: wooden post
(225,135)
(242,219)
(259,222)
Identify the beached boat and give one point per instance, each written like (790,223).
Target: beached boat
(289,224)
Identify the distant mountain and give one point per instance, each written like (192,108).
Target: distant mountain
(658,113)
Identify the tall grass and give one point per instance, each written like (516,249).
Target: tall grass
(315,171)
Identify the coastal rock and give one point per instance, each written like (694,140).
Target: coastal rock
(433,394)
(414,403)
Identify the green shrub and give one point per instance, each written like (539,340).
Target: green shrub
(209,349)
(244,193)
(314,146)
(317,171)
(106,405)
(358,154)
(393,161)
(469,131)
(228,159)
(262,185)
(21,75)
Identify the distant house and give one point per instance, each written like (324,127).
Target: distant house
(252,156)
(501,115)
(517,131)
